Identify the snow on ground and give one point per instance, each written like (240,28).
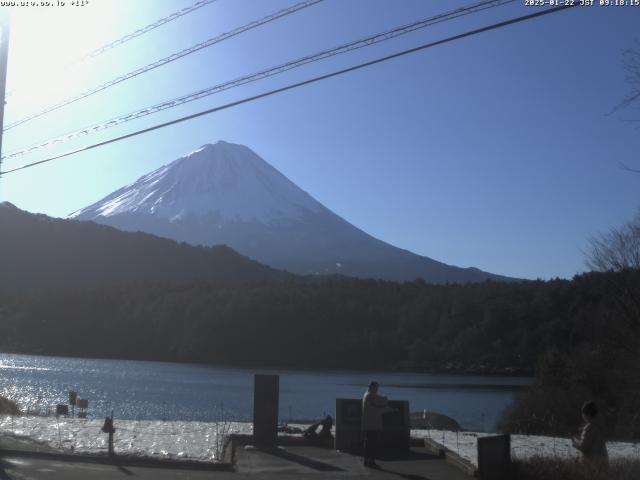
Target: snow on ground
(203,441)
(522,446)
(177,440)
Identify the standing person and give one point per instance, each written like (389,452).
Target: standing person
(592,441)
(373,406)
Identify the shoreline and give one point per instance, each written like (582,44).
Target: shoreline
(448,368)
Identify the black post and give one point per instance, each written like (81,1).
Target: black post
(108,428)
(73,396)
(111,430)
(111,454)
(265,409)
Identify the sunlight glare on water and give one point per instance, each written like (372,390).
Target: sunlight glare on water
(137,390)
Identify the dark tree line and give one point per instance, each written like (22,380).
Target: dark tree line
(605,366)
(580,337)
(571,333)
(343,323)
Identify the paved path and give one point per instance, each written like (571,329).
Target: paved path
(285,462)
(318,463)
(14,468)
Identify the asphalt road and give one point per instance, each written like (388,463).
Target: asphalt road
(284,462)
(14,468)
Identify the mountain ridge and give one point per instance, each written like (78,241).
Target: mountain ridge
(37,251)
(225,193)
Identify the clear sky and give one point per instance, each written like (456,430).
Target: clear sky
(495,151)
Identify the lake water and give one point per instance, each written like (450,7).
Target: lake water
(187,392)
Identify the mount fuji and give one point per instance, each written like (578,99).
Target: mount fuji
(225,193)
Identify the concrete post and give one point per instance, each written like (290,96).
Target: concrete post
(265,409)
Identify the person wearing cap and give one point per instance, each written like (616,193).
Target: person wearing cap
(373,407)
(592,440)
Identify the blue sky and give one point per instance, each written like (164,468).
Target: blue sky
(495,151)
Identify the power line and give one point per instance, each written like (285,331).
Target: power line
(148,28)
(199,94)
(141,31)
(297,85)
(171,58)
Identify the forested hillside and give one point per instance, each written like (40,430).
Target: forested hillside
(37,251)
(154,299)
(339,323)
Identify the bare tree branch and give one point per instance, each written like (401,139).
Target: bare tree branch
(629,169)
(631,62)
(619,251)
(616,250)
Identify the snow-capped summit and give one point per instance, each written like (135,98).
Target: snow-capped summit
(224,193)
(224,179)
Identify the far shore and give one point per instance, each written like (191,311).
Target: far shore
(444,369)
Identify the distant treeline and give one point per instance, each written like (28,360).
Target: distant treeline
(338,323)
(570,331)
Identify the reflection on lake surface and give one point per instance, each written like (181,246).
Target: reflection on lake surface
(172,391)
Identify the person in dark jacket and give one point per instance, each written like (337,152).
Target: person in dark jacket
(373,406)
(591,441)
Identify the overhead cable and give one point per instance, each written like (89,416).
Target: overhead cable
(141,31)
(296,85)
(152,26)
(171,58)
(197,95)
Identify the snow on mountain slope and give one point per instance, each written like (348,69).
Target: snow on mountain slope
(230,180)
(224,193)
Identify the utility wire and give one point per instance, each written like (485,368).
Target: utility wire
(171,58)
(141,31)
(297,85)
(197,95)
(148,28)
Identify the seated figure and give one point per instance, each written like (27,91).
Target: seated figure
(326,424)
